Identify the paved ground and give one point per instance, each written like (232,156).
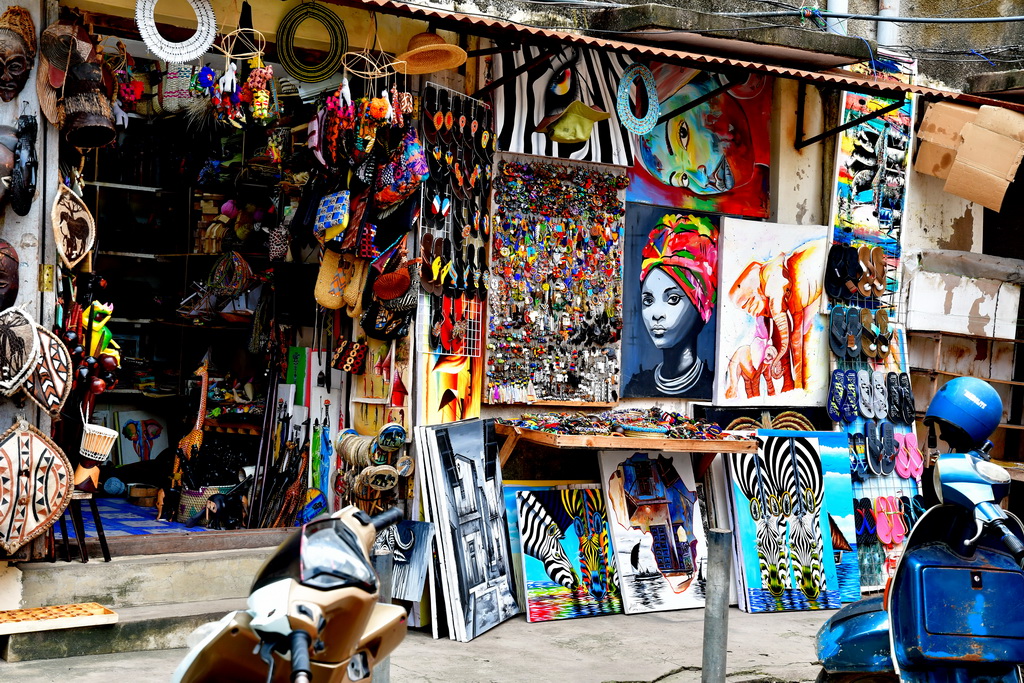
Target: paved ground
(663,647)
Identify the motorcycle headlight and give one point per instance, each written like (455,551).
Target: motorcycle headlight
(992,472)
(937,481)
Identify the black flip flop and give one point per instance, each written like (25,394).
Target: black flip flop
(835,272)
(892,386)
(888,448)
(873,447)
(837,331)
(853,332)
(852,264)
(907,395)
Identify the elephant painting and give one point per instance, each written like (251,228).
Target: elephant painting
(774,296)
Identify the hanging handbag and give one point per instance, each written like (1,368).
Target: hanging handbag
(350,357)
(332,216)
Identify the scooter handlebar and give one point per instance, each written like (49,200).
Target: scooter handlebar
(1010,540)
(387,518)
(301,671)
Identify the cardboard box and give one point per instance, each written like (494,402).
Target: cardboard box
(988,157)
(939,137)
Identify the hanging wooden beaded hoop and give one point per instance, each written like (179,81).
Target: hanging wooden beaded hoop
(296,68)
(633,123)
(187,50)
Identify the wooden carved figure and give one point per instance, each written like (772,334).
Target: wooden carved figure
(191,442)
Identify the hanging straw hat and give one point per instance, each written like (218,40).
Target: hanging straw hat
(63,45)
(427,53)
(19,21)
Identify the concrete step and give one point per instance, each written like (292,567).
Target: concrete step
(140,580)
(150,627)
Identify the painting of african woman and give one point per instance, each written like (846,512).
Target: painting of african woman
(712,157)
(566,554)
(772,346)
(657,530)
(670,291)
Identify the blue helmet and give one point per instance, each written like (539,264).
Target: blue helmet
(971,406)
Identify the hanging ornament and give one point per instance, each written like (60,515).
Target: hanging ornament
(187,50)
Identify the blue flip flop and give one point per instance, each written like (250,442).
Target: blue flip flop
(849,403)
(888,448)
(835,396)
(853,330)
(837,331)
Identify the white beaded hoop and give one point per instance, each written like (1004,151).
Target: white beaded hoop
(187,50)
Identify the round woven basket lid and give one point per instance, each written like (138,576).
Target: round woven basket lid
(427,53)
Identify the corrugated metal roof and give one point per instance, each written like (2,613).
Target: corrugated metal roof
(489,27)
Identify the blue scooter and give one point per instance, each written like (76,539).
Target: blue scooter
(953,611)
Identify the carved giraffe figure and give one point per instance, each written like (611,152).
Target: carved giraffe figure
(191,442)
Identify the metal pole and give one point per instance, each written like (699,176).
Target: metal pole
(716,606)
(384,565)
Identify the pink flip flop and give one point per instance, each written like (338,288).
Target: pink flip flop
(903,463)
(899,523)
(883,520)
(915,455)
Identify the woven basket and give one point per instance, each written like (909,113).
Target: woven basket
(192,501)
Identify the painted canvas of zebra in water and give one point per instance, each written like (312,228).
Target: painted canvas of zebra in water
(780,504)
(566,554)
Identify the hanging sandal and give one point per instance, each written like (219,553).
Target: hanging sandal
(916,457)
(903,466)
(879,404)
(873,447)
(853,331)
(888,448)
(899,522)
(884,336)
(849,404)
(868,340)
(883,520)
(835,396)
(835,272)
(908,407)
(864,394)
(837,331)
(879,279)
(864,280)
(892,387)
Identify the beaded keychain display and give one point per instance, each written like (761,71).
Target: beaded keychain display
(556,299)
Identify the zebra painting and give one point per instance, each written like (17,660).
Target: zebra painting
(566,554)
(541,536)
(766,510)
(589,521)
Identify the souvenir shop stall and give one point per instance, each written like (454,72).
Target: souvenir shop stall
(385,268)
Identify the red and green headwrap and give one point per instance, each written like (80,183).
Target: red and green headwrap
(686,248)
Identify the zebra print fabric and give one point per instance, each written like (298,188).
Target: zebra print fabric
(574,73)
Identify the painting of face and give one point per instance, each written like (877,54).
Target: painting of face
(668,314)
(670,285)
(711,157)
(15,64)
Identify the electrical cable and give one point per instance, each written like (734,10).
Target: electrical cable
(810,13)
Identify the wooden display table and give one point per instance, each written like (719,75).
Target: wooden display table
(516,434)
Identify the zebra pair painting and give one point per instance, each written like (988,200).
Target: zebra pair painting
(657,530)
(562,538)
(789,523)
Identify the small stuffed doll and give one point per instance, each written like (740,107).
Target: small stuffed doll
(229,81)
